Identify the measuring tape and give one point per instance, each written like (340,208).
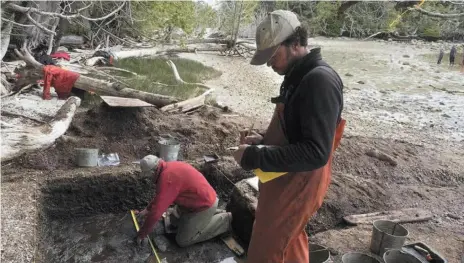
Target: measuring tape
(398,18)
(136,224)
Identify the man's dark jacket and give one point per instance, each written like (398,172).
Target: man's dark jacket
(312,93)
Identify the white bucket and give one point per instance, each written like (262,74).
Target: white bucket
(169,149)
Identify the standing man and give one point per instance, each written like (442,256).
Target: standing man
(452,55)
(182,184)
(304,131)
(440,56)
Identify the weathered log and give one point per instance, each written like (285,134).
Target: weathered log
(187,105)
(116,89)
(19,140)
(105,87)
(72,40)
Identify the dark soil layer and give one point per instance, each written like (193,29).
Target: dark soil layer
(101,194)
(421,177)
(134,133)
(86,219)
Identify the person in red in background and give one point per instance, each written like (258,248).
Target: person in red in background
(180,183)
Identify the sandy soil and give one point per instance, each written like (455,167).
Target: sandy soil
(400,97)
(395,111)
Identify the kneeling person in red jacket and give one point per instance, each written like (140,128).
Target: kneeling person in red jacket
(182,184)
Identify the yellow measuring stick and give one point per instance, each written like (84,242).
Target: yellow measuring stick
(136,224)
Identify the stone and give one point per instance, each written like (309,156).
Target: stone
(453,216)
(159,228)
(361,82)
(446,115)
(442,103)
(349,75)
(161,242)
(406,56)
(406,63)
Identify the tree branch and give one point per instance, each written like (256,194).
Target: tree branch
(52,37)
(26,10)
(433,14)
(14,23)
(105,17)
(39,25)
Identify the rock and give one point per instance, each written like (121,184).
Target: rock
(406,56)
(406,63)
(162,243)
(446,115)
(382,156)
(361,82)
(159,228)
(349,75)
(442,103)
(390,40)
(453,216)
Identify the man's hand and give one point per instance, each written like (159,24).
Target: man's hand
(253,138)
(141,214)
(238,154)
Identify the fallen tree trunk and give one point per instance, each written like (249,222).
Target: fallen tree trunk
(101,86)
(19,140)
(118,90)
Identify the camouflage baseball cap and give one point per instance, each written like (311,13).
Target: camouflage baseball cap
(271,32)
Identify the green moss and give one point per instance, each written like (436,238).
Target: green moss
(152,71)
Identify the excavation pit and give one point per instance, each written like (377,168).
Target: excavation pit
(86,219)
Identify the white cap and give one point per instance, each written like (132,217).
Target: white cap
(149,164)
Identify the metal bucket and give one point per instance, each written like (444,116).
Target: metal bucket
(355,257)
(86,157)
(398,256)
(387,235)
(318,254)
(169,149)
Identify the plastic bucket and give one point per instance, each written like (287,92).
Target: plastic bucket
(387,235)
(355,257)
(398,256)
(86,157)
(169,149)
(318,254)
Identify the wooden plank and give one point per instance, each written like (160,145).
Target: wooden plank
(125,102)
(407,215)
(233,245)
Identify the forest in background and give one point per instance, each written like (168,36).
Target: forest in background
(128,22)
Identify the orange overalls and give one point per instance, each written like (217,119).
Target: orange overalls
(286,204)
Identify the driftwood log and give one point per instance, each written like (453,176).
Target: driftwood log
(17,140)
(101,86)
